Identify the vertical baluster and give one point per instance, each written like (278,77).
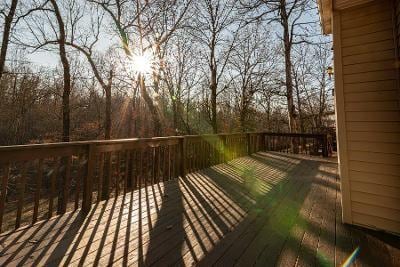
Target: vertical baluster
(152,165)
(200,155)
(141,169)
(313,145)
(206,154)
(179,160)
(21,194)
(189,157)
(193,154)
(53,186)
(159,164)
(307,146)
(39,178)
(78,181)
(100,176)
(107,176)
(192,157)
(174,161)
(209,155)
(126,171)
(4,184)
(288,141)
(134,166)
(66,185)
(177,154)
(143,177)
(156,164)
(164,163)
(196,155)
(87,193)
(117,171)
(182,149)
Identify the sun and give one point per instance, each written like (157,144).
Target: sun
(143,63)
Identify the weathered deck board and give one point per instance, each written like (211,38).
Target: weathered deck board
(267,209)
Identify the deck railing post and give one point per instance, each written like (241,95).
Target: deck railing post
(182,148)
(248,141)
(88,179)
(224,149)
(324,146)
(263,145)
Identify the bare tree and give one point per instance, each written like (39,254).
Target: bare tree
(250,65)
(8,19)
(214,20)
(290,16)
(66,72)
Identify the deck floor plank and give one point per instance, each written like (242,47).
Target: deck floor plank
(265,209)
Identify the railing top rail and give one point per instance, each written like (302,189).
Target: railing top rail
(82,144)
(105,142)
(310,135)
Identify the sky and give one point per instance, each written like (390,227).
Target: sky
(50,59)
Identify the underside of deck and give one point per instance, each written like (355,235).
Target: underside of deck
(265,209)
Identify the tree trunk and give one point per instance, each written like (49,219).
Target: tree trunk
(213,89)
(6,35)
(288,72)
(62,190)
(175,116)
(288,67)
(107,119)
(153,109)
(299,106)
(67,75)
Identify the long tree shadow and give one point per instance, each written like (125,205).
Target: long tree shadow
(249,210)
(165,227)
(288,192)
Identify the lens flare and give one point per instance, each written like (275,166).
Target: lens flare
(143,63)
(350,260)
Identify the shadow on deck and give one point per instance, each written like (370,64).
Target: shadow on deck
(266,209)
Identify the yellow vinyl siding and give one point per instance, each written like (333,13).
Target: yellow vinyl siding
(371,123)
(368,48)
(369,66)
(376,189)
(372,86)
(374,178)
(377,106)
(373,116)
(367,29)
(374,146)
(354,22)
(377,222)
(375,157)
(376,126)
(397,21)
(380,75)
(367,38)
(368,57)
(367,97)
(376,211)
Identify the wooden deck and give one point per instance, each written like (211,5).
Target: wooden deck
(267,209)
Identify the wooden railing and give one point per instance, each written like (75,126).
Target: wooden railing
(297,143)
(40,181)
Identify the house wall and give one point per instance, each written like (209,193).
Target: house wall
(368,113)
(397,23)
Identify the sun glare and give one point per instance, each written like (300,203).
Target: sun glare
(142,63)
